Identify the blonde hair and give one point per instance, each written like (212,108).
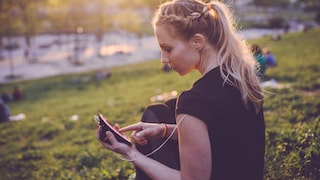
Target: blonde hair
(214,21)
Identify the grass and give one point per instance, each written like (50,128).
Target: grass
(48,144)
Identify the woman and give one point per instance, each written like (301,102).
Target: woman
(220,119)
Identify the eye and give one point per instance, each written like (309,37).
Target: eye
(167,49)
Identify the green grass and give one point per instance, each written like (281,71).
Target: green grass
(47,144)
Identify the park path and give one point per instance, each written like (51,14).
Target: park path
(117,49)
(54,60)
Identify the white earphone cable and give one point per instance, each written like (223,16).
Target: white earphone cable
(158,148)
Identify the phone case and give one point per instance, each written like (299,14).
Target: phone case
(107,126)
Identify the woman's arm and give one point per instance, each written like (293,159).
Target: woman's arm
(148,131)
(195,149)
(195,153)
(152,168)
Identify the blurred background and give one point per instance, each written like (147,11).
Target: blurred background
(51,133)
(80,34)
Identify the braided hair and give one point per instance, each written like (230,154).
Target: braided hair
(214,21)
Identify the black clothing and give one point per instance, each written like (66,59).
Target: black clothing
(237,134)
(169,153)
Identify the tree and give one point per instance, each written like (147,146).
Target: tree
(28,16)
(8,16)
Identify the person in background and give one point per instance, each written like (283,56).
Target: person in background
(219,120)
(261,62)
(17,94)
(4,112)
(269,57)
(100,74)
(5,96)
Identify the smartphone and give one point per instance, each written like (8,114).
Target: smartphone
(107,126)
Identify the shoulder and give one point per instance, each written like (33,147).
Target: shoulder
(210,88)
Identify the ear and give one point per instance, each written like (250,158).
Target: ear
(198,41)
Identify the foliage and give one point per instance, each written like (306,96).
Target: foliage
(48,144)
(32,17)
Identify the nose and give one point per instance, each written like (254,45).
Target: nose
(164,59)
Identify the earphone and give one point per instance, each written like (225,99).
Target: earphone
(158,148)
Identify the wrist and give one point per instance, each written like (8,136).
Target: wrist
(164,130)
(132,154)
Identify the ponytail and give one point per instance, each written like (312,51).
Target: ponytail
(214,21)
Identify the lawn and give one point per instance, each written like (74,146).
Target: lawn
(48,144)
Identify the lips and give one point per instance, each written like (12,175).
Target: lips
(174,68)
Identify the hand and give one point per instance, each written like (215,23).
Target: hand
(114,145)
(142,132)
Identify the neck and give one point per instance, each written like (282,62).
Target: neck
(209,68)
(208,60)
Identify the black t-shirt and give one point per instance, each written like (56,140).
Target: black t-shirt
(237,134)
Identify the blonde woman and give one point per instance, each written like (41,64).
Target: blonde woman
(220,121)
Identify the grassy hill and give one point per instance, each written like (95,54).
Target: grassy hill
(48,144)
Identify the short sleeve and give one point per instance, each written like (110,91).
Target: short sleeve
(195,104)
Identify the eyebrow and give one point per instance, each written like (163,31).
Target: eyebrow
(165,45)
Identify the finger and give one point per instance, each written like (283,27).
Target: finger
(138,139)
(142,133)
(116,126)
(141,141)
(110,137)
(135,137)
(133,127)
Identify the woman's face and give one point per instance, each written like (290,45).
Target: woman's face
(179,54)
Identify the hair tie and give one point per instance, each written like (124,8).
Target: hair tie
(206,8)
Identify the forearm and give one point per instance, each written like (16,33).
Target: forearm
(152,168)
